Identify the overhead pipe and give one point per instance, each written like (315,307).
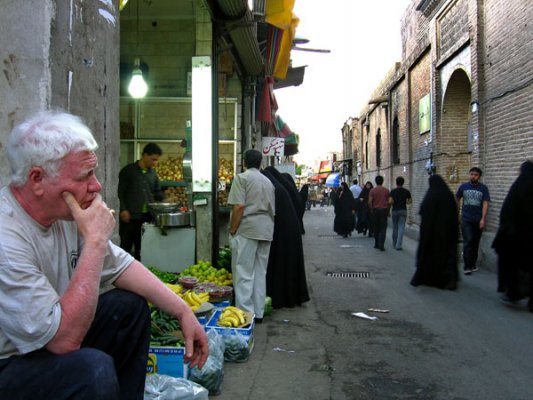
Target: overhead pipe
(242,30)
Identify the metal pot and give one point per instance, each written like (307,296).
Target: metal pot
(159,208)
(174,219)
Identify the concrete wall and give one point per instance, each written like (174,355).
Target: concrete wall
(55,56)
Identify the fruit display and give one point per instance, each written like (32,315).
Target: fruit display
(176,288)
(170,169)
(232,317)
(223,197)
(225,170)
(195,300)
(177,195)
(225,174)
(205,272)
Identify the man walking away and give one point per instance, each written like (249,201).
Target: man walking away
(378,202)
(399,198)
(251,230)
(476,200)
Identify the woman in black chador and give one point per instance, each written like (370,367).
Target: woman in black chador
(364,222)
(344,211)
(436,258)
(286,280)
(514,239)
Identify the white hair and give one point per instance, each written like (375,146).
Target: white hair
(44,140)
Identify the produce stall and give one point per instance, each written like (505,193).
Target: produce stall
(167,122)
(209,293)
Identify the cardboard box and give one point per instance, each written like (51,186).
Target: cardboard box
(167,361)
(222,304)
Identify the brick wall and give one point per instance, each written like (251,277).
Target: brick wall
(399,110)
(506,108)
(421,145)
(460,51)
(453,158)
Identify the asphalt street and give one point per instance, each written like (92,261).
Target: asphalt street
(431,344)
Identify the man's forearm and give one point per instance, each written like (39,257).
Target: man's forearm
(78,303)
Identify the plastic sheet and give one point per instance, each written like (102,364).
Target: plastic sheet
(210,376)
(164,387)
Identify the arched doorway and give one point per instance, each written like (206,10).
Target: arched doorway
(454,142)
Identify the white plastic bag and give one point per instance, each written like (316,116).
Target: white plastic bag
(164,387)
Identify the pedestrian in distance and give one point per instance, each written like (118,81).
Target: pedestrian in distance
(436,256)
(364,218)
(399,198)
(378,202)
(74,316)
(475,197)
(514,239)
(343,223)
(252,197)
(138,186)
(356,191)
(304,196)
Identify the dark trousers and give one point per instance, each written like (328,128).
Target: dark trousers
(110,365)
(471,238)
(379,216)
(130,235)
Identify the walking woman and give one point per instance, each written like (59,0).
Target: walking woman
(364,222)
(436,258)
(344,211)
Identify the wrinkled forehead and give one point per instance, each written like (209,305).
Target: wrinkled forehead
(81,160)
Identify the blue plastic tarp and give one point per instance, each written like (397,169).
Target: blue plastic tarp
(333,180)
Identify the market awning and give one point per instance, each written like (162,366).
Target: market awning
(334,180)
(318,177)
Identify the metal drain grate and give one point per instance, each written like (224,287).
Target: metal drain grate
(348,274)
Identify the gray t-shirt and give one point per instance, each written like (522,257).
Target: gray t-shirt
(255,191)
(36,265)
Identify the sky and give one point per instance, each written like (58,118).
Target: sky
(365,41)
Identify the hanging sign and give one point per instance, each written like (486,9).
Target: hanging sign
(273,146)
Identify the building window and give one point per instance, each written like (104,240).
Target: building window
(378,148)
(395,141)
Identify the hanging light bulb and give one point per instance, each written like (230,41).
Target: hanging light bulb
(137,87)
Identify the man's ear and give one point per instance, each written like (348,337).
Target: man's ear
(35,180)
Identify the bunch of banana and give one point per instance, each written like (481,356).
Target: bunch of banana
(176,288)
(195,300)
(231,317)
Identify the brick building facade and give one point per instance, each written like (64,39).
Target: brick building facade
(460,97)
